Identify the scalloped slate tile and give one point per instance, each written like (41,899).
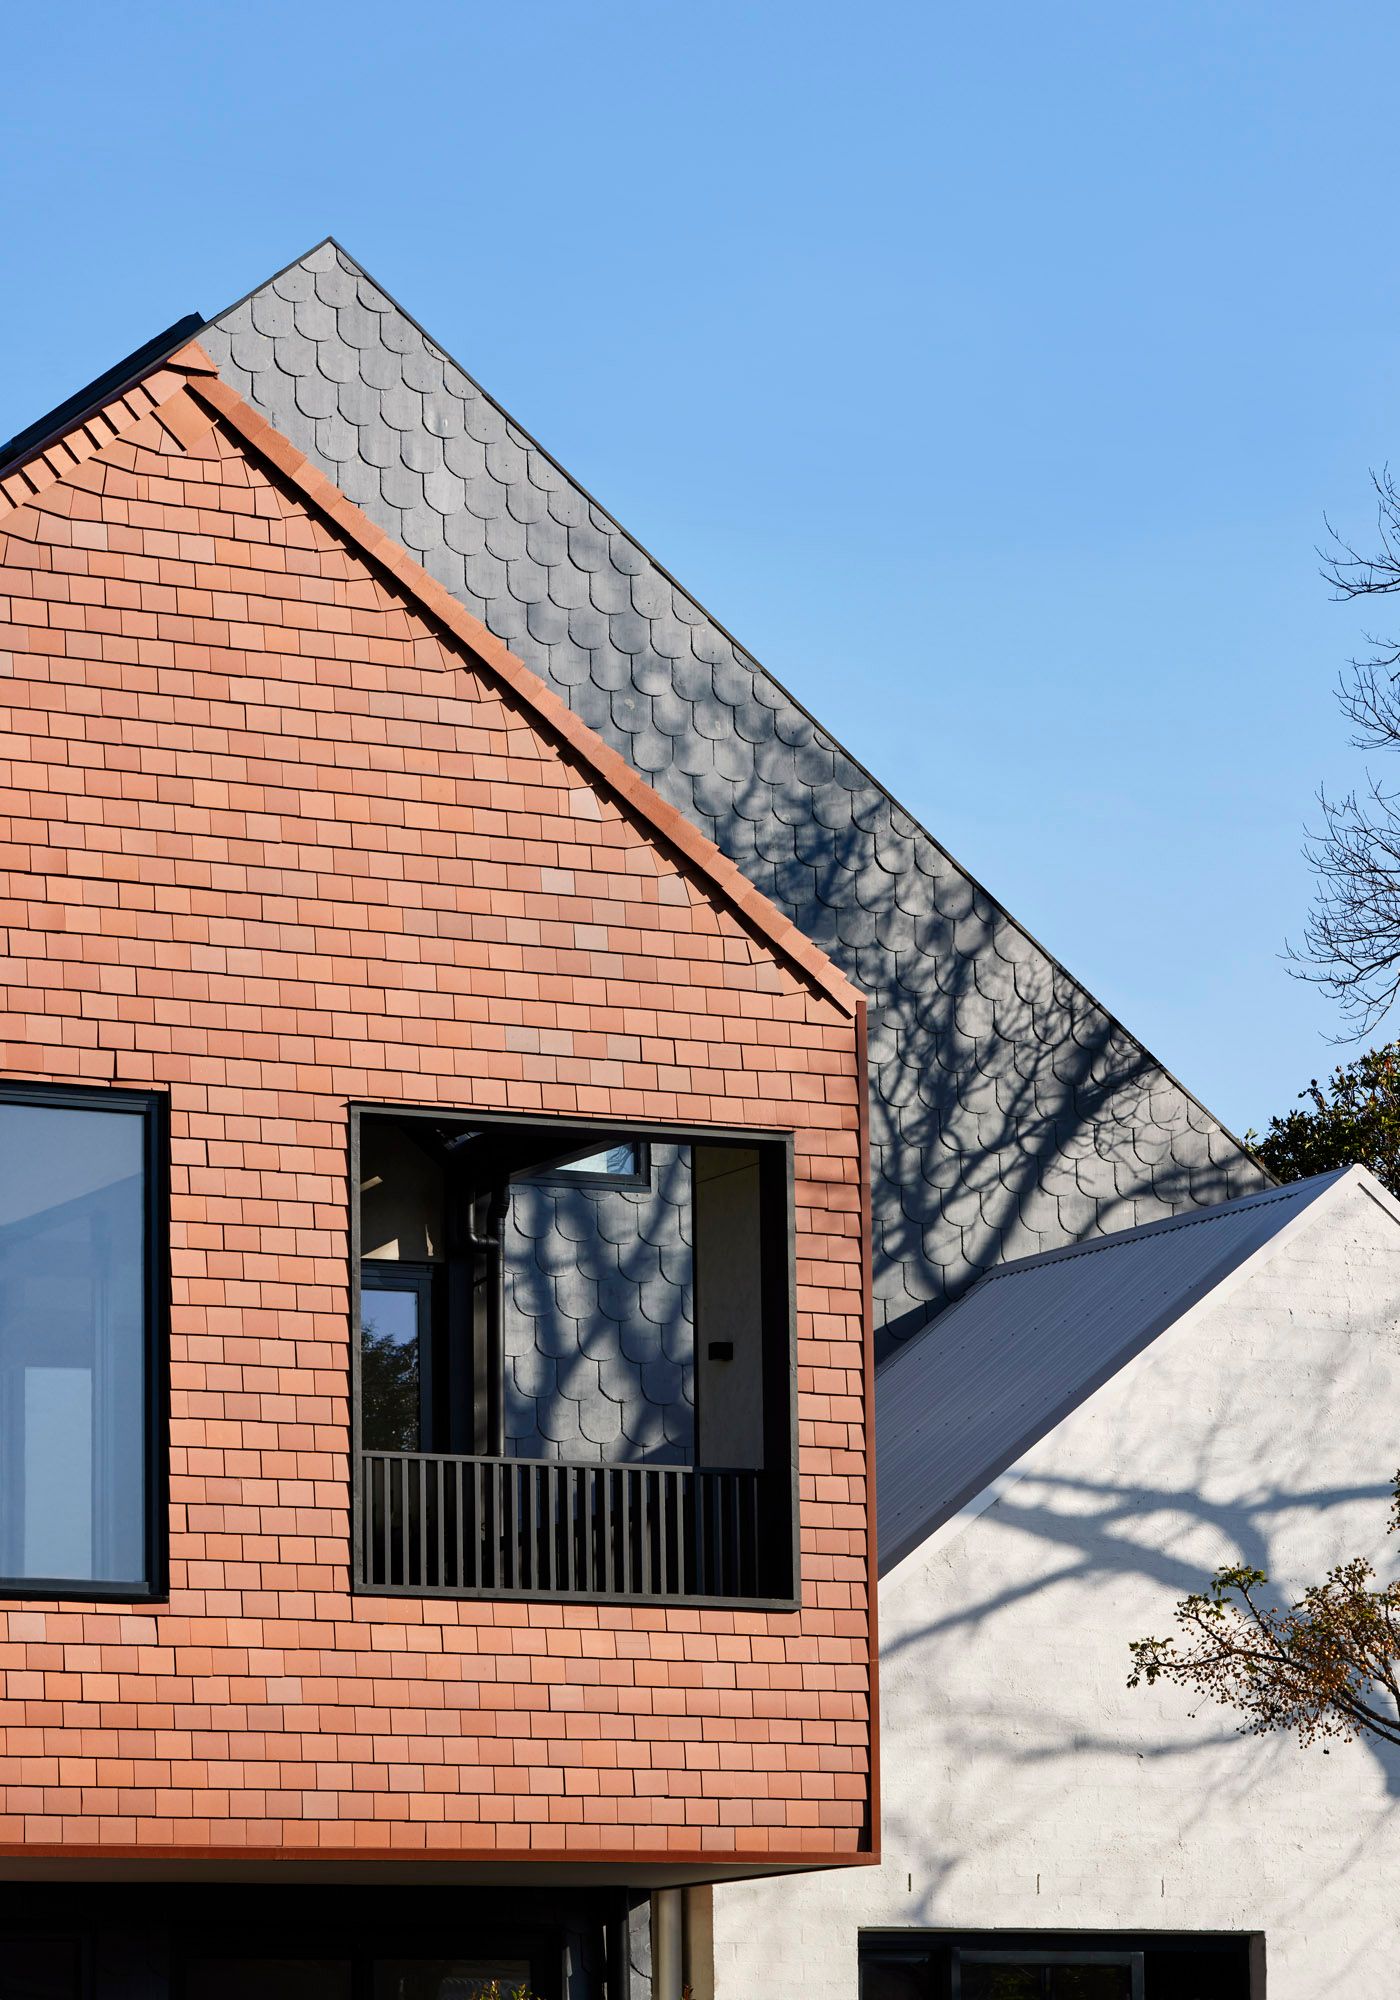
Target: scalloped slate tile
(599,1340)
(953,985)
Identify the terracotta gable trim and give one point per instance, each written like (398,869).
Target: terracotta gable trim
(204,383)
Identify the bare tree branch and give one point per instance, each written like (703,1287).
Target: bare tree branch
(1351,940)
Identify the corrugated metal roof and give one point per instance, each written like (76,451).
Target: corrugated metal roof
(1031,1340)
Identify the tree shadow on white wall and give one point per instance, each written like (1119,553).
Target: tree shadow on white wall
(1090,1538)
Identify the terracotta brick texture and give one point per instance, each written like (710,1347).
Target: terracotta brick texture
(273,838)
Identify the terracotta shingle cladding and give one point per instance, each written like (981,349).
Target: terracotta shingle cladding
(271,840)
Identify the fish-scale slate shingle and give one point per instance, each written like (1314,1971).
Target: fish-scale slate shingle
(1009,1112)
(599,1331)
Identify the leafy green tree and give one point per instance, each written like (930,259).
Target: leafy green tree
(1353,1119)
(1329,1666)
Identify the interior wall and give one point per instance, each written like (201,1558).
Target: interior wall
(728,1305)
(402,1207)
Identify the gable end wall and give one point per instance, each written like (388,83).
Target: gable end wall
(271,843)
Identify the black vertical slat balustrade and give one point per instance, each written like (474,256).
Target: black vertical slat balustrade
(625,1584)
(442,1523)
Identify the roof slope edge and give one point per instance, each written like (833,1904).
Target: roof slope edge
(190,370)
(331,241)
(1033,1341)
(1009,1110)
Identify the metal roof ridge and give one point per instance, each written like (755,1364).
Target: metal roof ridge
(1307,1191)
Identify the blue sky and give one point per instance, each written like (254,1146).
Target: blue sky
(987,370)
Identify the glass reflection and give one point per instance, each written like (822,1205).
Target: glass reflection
(390,1368)
(72,1343)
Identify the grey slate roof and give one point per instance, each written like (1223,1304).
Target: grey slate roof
(958,1405)
(1009,1112)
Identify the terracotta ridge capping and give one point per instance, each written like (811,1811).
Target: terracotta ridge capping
(204,383)
(48,463)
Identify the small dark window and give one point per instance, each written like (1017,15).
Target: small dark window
(1006,1965)
(1033,1975)
(79,1298)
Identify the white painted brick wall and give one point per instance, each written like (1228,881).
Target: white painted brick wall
(1024,1786)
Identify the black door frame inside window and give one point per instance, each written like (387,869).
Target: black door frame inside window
(386,1274)
(152,1106)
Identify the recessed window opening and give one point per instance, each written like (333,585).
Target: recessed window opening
(564,1297)
(1006,1965)
(78,1309)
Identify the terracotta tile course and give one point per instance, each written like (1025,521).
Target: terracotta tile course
(272,839)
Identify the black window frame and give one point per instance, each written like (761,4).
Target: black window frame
(153,1107)
(930,1958)
(780,1316)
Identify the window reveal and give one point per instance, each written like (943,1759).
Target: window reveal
(78,1305)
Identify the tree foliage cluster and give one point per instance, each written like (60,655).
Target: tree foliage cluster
(1353,1119)
(1327,1666)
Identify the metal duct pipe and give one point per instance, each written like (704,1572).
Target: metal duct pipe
(667,1944)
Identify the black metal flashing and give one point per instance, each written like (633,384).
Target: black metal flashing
(44,430)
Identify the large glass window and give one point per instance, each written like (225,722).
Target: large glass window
(267,1979)
(76,1200)
(548,1312)
(452,1979)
